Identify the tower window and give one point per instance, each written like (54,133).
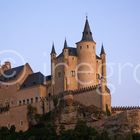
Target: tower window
(80,47)
(24,102)
(27,101)
(36,99)
(21,123)
(73,73)
(20,102)
(87,46)
(98,76)
(31,100)
(59,74)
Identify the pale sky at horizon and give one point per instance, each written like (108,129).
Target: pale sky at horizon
(30,26)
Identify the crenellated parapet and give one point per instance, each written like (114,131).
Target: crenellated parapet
(124,108)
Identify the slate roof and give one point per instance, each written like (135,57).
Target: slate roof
(11,74)
(48,78)
(34,79)
(102,50)
(53,49)
(87,34)
(97,57)
(65,44)
(72,52)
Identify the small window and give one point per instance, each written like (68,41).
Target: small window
(59,74)
(80,47)
(24,102)
(21,123)
(20,102)
(73,73)
(98,76)
(8,125)
(49,94)
(28,101)
(31,100)
(36,99)
(87,46)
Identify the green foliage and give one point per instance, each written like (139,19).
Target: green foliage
(81,132)
(48,132)
(136,136)
(108,113)
(55,101)
(31,115)
(104,136)
(62,129)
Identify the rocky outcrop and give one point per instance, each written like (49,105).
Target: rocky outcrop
(123,123)
(118,125)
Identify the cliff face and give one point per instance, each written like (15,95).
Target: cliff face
(117,125)
(123,123)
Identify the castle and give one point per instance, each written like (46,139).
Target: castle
(77,71)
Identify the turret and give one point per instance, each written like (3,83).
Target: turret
(87,34)
(53,52)
(66,54)
(86,50)
(65,49)
(53,63)
(103,57)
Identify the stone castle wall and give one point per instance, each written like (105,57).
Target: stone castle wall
(15,116)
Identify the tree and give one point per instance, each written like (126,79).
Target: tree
(31,115)
(104,135)
(12,129)
(61,129)
(136,136)
(83,132)
(55,101)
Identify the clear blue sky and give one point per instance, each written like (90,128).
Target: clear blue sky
(30,26)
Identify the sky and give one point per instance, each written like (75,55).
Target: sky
(28,28)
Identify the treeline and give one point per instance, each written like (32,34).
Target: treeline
(49,132)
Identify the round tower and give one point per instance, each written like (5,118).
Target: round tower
(86,50)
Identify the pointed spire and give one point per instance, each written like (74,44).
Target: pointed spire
(87,34)
(65,44)
(102,50)
(53,49)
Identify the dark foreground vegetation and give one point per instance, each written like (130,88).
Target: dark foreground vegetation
(48,132)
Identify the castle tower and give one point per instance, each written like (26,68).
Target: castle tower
(53,63)
(86,50)
(103,57)
(65,54)
(105,96)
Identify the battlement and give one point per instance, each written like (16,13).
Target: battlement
(83,90)
(124,108)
